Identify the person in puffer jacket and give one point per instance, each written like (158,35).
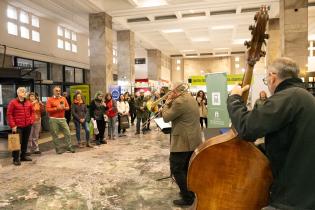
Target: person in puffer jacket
(20,116)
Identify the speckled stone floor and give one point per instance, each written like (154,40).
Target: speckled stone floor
(120,175)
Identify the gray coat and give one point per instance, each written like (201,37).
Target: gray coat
(184,114)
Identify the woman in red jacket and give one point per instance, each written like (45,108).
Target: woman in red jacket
(20,116)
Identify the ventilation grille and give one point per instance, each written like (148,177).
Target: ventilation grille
(192,54)
(178,55)
(238,52)
(136,20)
(221,53)
(205,54)
(223,12)
(165,17)
(253,9)
(198,14)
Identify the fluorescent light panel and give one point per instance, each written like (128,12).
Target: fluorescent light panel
(176,30)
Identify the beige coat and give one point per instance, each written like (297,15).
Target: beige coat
(184,114)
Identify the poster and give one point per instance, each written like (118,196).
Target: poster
(85,91)
(115,90)
(218,116)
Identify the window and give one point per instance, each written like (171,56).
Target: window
(67,46)
(35,36)
(69,74)
(60,31)
(69,38)
(74,36)
(74,48)
(60,43)
(21,21)
(12,29)
(67,34)
(11,12)
(24,17)
(25,33)
(79,75)
(35,21)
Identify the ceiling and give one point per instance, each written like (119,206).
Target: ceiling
(176,27)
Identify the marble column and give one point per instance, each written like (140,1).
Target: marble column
(101,51)
(126,55)
(274,41)
(154,64)
(294,30)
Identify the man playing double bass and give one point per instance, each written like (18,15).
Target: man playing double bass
(182,110)
(287,120)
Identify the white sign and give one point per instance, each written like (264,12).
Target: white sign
(1,94)
(1,116)
(216,101)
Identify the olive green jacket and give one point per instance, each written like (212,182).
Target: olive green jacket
(184,115)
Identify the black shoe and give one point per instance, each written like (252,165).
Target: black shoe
(182,202)
(98,143)
(59,152)
(26,158)
(16,162)
(28,154)
(137,133)
(103,142)
(38,152)
(70,149)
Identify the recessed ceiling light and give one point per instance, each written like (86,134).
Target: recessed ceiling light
(237,59)
(222,27)
(176,30)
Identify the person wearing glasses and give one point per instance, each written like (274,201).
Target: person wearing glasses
(287,120)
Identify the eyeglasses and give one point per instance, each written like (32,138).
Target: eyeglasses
(265,81)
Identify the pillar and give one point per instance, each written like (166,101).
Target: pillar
(154,64)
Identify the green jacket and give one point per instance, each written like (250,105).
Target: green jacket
(184,115)
(287,120)
(140,102)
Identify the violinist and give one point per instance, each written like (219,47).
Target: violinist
(182,110)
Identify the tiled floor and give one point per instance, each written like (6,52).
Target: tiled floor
(119,175)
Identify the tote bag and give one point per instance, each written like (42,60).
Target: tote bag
(14,142)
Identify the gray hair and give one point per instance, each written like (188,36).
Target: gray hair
(285,68)
(20,89)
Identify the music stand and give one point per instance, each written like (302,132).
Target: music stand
(166,128)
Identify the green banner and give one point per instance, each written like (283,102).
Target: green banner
(198,80)
(218,116)
(85,91)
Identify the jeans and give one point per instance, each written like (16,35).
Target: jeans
(143,119)
(34,135)
(179,162)
(57,125)
(133,116)
(111,126)
(78,130)
(24,135)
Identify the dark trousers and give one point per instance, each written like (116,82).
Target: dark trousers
(68,116)
(133,116)
(24,135)
(119,127)
(143,119)
(85,126)
(179,162)
(101,129)
(204,119)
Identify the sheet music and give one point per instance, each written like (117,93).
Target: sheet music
(161,124)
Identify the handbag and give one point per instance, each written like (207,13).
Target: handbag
(124,122)
(14,143)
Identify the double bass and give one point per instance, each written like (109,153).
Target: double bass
(226,172)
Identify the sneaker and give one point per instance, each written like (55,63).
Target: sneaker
(16,162)
(182,202)
(38,152)
(26,158)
